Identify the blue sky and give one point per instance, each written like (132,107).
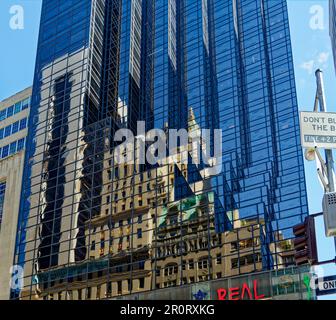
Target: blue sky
(18,47)
(311,50)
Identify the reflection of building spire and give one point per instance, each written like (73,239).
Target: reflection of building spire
(166,130)
(191,114)
(193,128)
(195,136)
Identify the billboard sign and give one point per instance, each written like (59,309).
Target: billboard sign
(318,129)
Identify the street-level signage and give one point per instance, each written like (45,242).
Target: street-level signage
(326,286)
(240,293)
(318,129)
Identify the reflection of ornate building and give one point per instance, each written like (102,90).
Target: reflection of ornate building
(152,228)
(147,233)
(123,232)
(142,239)
(117,238)
(189,252)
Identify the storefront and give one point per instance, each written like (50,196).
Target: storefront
(285,284)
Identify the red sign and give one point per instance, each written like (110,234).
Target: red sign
(238,293)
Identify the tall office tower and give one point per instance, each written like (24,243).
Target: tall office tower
(332,27)
(92,227)
(14,112)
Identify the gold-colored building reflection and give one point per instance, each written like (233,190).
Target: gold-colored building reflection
(143,238)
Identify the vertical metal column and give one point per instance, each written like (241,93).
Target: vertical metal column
(323,108)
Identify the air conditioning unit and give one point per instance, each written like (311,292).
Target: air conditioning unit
(329,214)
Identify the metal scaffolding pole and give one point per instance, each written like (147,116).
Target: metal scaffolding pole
(323,108)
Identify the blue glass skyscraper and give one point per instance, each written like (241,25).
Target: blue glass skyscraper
(90,229)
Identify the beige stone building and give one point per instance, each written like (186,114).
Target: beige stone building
(14,113)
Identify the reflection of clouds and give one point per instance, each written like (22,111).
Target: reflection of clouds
(320,61)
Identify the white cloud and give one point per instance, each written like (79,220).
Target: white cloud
(320,61)
(323,57)
(308,66)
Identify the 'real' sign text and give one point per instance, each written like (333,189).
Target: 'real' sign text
(244,292)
